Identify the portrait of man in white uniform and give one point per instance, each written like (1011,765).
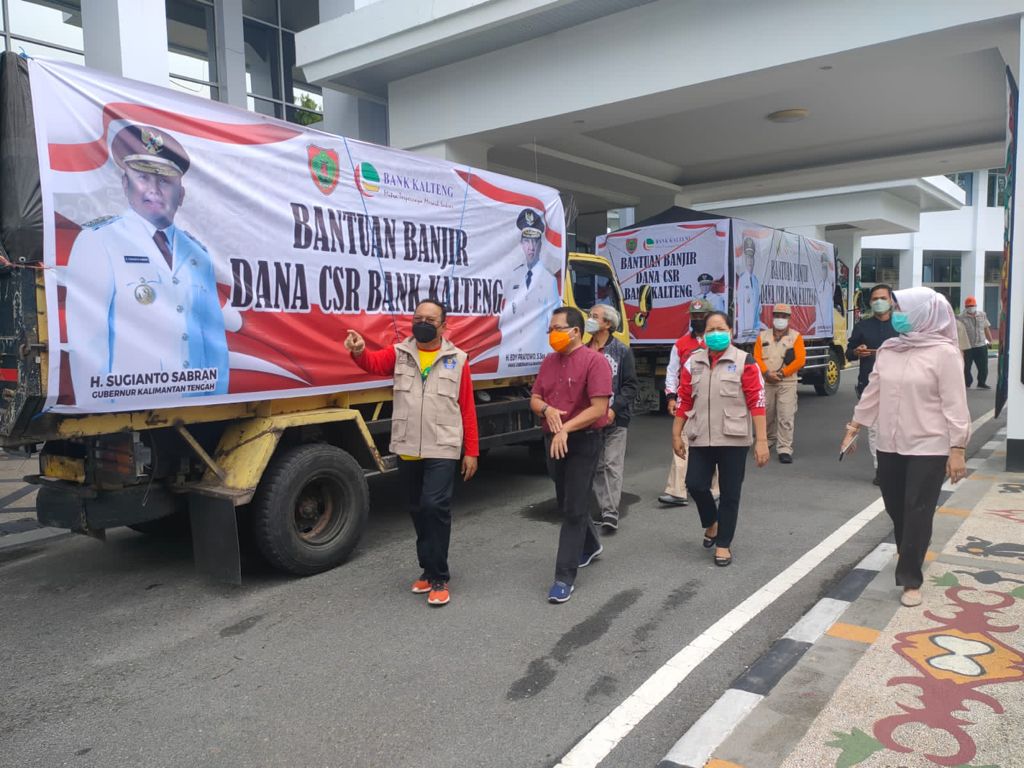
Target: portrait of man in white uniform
(141,291)
(748,293)
(531,291)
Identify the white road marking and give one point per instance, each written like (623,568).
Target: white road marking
(714,727)
(596,745)
(879,557)
(605,736)
(813,624)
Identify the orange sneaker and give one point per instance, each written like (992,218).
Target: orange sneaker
(438,593)
(421,586)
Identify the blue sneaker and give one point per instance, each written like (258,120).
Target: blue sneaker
(588,559)
(560,592)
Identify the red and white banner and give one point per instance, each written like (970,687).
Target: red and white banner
(672,264)
(775,267)
(197,253)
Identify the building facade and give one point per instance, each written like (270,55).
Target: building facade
(958,253)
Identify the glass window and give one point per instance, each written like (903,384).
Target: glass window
(993,306)
(262,60)
(592,283)
(264,10)
(952,294)
(58,22)
(879,266)
(297,92)
(941,267)
(264,107)
(298,15)
(966,182)
(996,188)
(191,44)
(46,52)
(994,267)
(196,89)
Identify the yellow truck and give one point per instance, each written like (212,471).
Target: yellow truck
(288,460)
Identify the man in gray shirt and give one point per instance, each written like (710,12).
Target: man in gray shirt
(979,336)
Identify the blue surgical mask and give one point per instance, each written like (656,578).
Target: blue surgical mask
(901,323)
(717,341)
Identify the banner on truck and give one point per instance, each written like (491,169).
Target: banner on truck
(670,265)
(196,253)
(775,267)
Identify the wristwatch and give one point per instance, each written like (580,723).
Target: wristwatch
(544,409)
(671,396)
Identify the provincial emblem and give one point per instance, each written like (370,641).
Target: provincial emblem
(323,168)
(153,142)
(631,245)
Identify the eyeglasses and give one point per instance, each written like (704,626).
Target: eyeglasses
(559,328)
(421,319)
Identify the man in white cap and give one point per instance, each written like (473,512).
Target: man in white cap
(779,352)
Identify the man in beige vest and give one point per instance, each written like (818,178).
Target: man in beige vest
(780,355)
(433,423)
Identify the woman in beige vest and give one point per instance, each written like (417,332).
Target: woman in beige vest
(721,395)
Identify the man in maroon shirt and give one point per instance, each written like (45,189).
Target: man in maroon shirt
(433,421)
(571,396)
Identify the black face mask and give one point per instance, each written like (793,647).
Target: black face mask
(424,333)
(697,325)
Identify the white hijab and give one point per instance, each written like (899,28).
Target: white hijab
(931,316)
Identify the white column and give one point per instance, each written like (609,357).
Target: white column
(230,51)
(972,268)
(127,38)
(461,151)
(1015,389)
(912,264)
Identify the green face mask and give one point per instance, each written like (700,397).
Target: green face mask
(717,341)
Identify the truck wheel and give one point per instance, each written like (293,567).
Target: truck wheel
(310,509)
(830,378)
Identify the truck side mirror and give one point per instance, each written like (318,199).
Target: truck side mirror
(646,304)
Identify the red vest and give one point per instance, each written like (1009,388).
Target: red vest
(686,346)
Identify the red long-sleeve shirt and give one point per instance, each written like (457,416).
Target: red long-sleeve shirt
(751,381)
(382,363)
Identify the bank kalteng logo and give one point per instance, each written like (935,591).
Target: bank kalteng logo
(648,243)
(367,180)
(371,181)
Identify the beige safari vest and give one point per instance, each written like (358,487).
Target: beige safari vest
(774,352)
(720,416)
(426,420)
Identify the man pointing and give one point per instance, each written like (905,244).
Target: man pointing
(433,422)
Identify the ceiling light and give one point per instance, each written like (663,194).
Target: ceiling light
(826,67)
(788,115)
(578,122)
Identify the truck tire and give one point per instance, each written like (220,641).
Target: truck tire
(310,509)
(830,377)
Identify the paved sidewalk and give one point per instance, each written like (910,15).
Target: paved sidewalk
(937,685)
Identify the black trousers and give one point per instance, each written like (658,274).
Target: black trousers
(430,483)
(731,462)
(977,356)
(910,489)
(574,481)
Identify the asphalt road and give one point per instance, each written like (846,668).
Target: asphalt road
(116,655)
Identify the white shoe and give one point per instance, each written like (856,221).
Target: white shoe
(911,597)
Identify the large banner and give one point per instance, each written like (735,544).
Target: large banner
(197,253)
(670,265)
(775,267)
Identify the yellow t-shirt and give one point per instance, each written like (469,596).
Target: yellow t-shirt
(427,358)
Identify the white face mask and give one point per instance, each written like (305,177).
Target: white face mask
(880,306)
(780,323)
(972,310)
(592,325)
